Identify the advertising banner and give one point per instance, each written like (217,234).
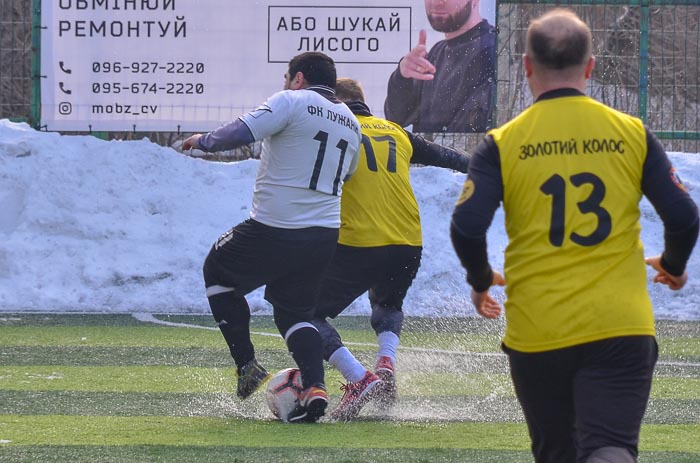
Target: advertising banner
(190,65)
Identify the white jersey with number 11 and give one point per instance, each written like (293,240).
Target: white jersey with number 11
(310,145)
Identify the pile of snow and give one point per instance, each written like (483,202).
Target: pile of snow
(124,226)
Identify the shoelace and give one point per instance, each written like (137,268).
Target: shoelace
(347,389)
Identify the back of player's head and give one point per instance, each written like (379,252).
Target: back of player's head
(347,89)
(318,68)
(558,39)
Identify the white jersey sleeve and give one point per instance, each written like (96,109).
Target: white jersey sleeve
(310,145)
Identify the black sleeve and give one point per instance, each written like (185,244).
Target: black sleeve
(473,216)
(678,212)
(227,137)
(402,100)
(472,254)
(432,154)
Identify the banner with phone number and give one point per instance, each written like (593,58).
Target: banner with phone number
(190,65)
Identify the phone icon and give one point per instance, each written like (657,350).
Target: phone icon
(64,68)
(63,89)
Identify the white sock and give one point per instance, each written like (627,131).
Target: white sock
(388,343)
(348,366)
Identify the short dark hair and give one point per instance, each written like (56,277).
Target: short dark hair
(318,68)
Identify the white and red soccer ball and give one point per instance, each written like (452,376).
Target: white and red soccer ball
(283,391)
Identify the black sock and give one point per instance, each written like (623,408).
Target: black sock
(232,314)
(305,346)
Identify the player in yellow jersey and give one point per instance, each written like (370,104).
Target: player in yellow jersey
(379,247)
(570,173)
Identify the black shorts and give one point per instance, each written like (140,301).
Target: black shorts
(385,271)
(290,262)
(584,397)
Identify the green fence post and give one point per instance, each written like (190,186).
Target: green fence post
(494,97)
(643,59)
(35,98)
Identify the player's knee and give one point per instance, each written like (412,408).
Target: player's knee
(386,319)
(611,455)
(330,338)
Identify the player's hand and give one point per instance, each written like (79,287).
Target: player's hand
(485,305)
(665,278)
(191,142)
(414,65)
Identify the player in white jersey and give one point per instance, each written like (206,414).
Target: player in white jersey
(310,146)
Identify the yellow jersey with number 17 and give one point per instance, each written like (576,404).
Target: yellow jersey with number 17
(378,207)
(575,272)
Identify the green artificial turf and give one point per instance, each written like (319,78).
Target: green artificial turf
(109,388)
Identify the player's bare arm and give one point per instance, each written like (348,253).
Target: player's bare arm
(485,305)
(191,142)
(665,278)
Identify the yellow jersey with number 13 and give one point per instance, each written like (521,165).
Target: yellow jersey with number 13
(574,266)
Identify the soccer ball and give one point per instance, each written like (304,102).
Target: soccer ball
(283,390)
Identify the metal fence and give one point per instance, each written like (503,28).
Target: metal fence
(647,51)
(647,61)
(15,59)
